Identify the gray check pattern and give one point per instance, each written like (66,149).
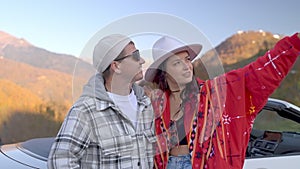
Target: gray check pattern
(95,134)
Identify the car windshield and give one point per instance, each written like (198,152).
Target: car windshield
(275,131)
(270,120)
(39,146)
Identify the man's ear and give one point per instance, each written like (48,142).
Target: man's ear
(115,67)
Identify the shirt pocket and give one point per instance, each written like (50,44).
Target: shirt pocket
(117,146)
(149,134)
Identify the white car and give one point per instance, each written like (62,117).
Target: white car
(29,154)
(275,138)
(274,142)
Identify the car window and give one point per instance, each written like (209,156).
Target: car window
(270,120)
(38,146)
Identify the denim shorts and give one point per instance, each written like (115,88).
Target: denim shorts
(179,162)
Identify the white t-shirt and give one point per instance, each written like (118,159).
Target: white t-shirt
(127,105)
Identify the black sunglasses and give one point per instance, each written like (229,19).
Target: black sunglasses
(136,56)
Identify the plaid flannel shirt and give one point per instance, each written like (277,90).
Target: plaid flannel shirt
(95,134)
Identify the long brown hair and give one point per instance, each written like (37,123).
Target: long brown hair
(188,95)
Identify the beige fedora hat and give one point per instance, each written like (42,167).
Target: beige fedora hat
(166,47)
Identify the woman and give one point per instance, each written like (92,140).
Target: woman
(207,124)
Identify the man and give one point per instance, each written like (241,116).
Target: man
(111,124)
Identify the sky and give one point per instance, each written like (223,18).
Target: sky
(63,26)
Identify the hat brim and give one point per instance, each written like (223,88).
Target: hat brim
(192,49)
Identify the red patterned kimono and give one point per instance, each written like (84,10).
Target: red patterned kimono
(218,129)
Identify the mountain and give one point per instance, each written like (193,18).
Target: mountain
(239,50)
(244,45)
(238,47)
(7,39)
(51,76)
(23,114)
(49,85)
(21,51)
(15,97)
(38,86)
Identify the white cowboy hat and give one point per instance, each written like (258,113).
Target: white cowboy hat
(166,47)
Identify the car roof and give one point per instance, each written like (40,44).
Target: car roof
(284,109)
(287,104)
